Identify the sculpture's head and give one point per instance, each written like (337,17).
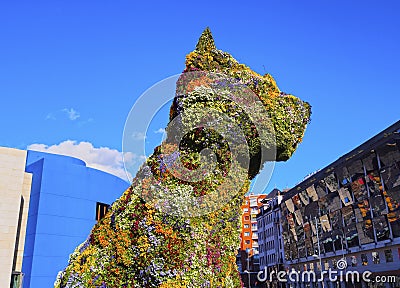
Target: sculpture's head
(214,80)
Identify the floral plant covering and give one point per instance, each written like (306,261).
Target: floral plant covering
(150,243)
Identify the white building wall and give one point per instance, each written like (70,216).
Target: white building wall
(15,184)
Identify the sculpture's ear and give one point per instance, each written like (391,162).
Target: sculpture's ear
(206,41)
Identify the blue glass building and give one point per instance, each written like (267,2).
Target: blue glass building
(62,210)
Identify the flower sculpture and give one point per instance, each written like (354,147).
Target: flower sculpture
(168,230)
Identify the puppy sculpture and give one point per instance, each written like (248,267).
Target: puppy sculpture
(168,230)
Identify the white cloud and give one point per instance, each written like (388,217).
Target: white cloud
(160,131)
(103,158)
(71,113)
(50,116)
(138,136)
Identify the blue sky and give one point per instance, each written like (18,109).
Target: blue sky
(71,70)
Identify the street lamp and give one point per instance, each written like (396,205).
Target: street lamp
(319,248)
(248,265)
(342,237)
(341,242)
(248,276)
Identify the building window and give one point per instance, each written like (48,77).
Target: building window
(375,257)
(245,210)
(247,242)
(326,264)
(101,210)
(388,256)
(246,218)
(246,226)
(319,265)
(334,263)
(364,259)
(353,261)
(246,233)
